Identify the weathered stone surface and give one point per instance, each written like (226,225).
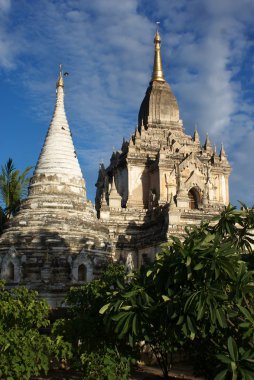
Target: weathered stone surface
(165,178)
(159,106)
(55,240)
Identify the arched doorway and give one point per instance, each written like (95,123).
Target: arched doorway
(10,272)
(82,273)
(194,198)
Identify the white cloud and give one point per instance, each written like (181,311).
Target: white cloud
(5,6)
(10,38)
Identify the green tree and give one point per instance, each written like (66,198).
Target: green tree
(24,350)
(2,219)
(13,187)
(96,351)
(197,294)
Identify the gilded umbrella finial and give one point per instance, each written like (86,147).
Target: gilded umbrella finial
(157,66)
(60,81)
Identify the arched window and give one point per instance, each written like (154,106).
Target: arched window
(82,273)
(10,272)
(146,259)
(194,198)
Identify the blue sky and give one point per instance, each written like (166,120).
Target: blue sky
(107,47)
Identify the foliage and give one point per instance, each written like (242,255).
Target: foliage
(24,350)
(95,349)
(2,219)
(13,186)
(106,364)
(198,293)
(83,326)
(239,362)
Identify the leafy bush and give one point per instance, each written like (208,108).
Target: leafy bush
(95,349)
(105,365)
(24,351)
(240,363)
(83,327)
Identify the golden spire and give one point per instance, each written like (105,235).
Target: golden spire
(60,81)
(157,66)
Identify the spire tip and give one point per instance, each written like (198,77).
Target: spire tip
(60,81)
(157,66)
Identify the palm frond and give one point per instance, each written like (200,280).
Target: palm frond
(13,186)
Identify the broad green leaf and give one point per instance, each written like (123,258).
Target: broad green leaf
(104,308)
(131,341)
(180,320)
(245,324)
(201,311)
(232,348)
(188,261)
(223,358)
(246,313)
(126,326)
(134,325)
(198,266)
(126,308)
(190,325)
(221,318)
(119,316)
(222,375)
(184,329)
(246,374)
(234,367)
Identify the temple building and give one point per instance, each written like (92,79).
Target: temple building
(55,240)
(160,181)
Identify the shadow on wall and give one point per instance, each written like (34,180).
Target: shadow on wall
(45,258)
(143,240)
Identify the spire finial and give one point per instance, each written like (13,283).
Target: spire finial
(157,66)
(195,137)
(60,81)
(222,152)
(208,145)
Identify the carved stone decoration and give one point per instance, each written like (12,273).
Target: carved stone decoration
(12,252)
(129,264)
(82,259)
(114,197)
(195,179)
(46,273)
(206,196)
(11,267)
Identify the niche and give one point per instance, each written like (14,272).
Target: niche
(82,273)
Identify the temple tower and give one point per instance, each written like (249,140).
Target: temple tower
(164,178)
(55,240)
